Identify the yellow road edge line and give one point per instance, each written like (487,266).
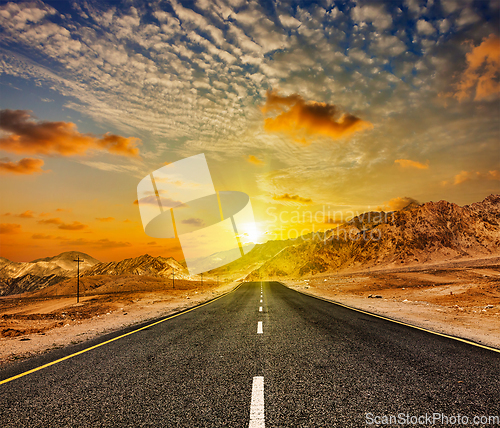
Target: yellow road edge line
(396,321)
(112,340)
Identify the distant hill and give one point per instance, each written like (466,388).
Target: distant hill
(253,259)
(430,232)
(142,265)
(18,277)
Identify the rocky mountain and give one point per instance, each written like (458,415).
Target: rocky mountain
(143,265)
(418,234)
(18,277)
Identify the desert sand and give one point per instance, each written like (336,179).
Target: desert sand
(34,323)
(459,298)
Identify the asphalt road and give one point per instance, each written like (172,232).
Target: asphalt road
(322,365)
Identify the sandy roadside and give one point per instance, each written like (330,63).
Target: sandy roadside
(93,316)
(439,302)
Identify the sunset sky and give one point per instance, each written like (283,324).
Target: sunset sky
(318,108)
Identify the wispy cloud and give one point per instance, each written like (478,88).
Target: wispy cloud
(295,199)
(255,160)
(398,203)
(27,214)
(98,243)
(75,225)
(407,163)
(9,228)
(464,176)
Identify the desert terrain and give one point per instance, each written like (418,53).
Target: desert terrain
(32,323)
(459,298)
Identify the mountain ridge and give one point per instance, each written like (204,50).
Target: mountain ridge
(421,234)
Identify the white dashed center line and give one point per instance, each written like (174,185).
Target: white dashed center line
(260,300)
(257,407)
(260,308)
(259,328)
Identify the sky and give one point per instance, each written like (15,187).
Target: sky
(317,110)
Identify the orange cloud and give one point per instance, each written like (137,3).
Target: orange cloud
(25,166)
(76,225)
(56,138)
(99,243)
(292,198)
(193,221)
(27,214)
(464,176)
(41,236)
(9,228)
(406,163)
(255,160)
(297,117)
(50,221)
(105,219)
(480,78)
(398,203)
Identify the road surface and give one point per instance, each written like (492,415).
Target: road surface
(263,355)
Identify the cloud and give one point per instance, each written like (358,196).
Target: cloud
(76,225)
(297,117)
(425,27)
(56,138)
(406,163)
(50,221)
(165,202)
(374,13)
(26,214)
(464,176)
(105,219)
(398,203)
(9,228)
(99,243)
(41,236)
(292,198)
(255,160)
(194,222)
(25,166)
(481,76)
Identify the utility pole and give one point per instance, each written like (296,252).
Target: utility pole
(78,260)
(173,278)
(217,280)
(202,279)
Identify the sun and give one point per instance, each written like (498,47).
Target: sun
(249,232)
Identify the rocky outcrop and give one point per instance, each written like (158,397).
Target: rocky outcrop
(142,265)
